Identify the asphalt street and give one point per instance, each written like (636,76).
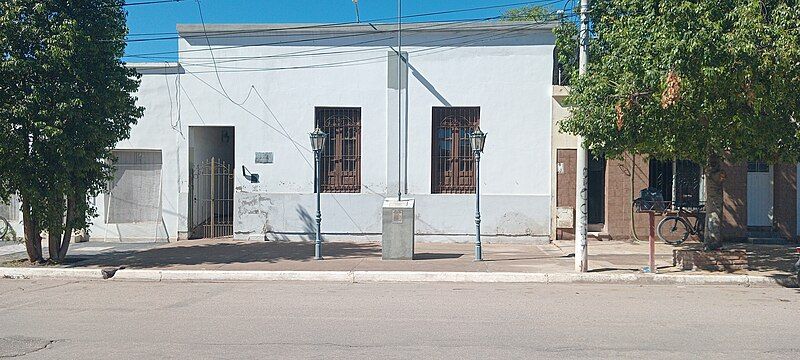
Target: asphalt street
(270,320)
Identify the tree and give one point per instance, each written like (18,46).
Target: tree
(65,101)
(708,81)
(529,13)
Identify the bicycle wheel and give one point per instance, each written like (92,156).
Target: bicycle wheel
(673,230)
(4,228)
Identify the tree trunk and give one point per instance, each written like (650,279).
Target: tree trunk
(54,236)
(65,239)
(59,232)
(33,238)
(712,238)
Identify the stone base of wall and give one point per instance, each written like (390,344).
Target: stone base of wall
(717,260)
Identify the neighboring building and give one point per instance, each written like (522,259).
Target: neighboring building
(251,105)
(760,200)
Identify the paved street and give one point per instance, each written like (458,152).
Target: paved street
(137,320)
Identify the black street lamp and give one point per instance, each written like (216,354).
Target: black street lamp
(317,144)
(477,139)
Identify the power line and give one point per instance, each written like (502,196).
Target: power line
(283,42)
(333,25)
(319,51)
(153,2)
(365,61)
(472,38)
(210,51)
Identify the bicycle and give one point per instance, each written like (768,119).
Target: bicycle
(675,229)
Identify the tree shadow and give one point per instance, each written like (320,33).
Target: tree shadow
(309,224)
(225,253)
(768,258)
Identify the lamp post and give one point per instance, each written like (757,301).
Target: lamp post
(317,143)
(477,139)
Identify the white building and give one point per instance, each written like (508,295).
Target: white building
(248,95)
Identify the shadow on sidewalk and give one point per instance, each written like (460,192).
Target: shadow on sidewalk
(204,253)
(436,256)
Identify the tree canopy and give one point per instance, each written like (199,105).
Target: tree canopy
(707,81)
(691,79)
(65,101)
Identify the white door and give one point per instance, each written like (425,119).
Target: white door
(759,194)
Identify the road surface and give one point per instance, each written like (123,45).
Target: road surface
(148,320)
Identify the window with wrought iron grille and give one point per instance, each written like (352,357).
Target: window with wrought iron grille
(453,164)
(341,156)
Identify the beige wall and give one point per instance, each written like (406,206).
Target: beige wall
(561,142)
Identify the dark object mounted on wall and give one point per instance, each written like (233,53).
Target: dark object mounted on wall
(253,178)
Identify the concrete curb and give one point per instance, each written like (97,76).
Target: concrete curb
(396,276)
(223,275)
(50,273)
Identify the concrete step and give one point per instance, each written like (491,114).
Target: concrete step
(767,241)
(762,234)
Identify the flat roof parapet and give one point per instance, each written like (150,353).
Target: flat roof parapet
(310,28)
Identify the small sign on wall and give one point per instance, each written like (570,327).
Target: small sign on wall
(564,217)
(264,158)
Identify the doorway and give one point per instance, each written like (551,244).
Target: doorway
(211,181)
(759,194)
(596,189)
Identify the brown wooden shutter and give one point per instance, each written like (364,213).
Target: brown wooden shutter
(341,157)
(453,165)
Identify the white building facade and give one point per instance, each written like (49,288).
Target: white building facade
(245,97)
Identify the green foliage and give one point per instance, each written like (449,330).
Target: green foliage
(529,13)
(65,101)
(698,80)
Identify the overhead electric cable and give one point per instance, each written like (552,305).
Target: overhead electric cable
(479,38)
(260,32)
(338,46)
(153,2)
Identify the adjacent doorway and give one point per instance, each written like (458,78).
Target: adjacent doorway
(596,189)
(759,194)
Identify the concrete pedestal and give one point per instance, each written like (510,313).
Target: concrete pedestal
(398,229)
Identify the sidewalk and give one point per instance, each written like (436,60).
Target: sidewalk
(341,256)
(614,260)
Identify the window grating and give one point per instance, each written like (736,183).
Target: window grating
(687,180)
(453,165)
(341,157)
(757,166)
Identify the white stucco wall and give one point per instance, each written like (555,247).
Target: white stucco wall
(507,73)
(158,129)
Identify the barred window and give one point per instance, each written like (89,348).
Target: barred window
(341,157)
(453,163)
(687,180)
(757,166)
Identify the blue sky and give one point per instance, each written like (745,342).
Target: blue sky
(162,18)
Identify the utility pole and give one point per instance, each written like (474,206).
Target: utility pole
(399,98)
(582,173)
